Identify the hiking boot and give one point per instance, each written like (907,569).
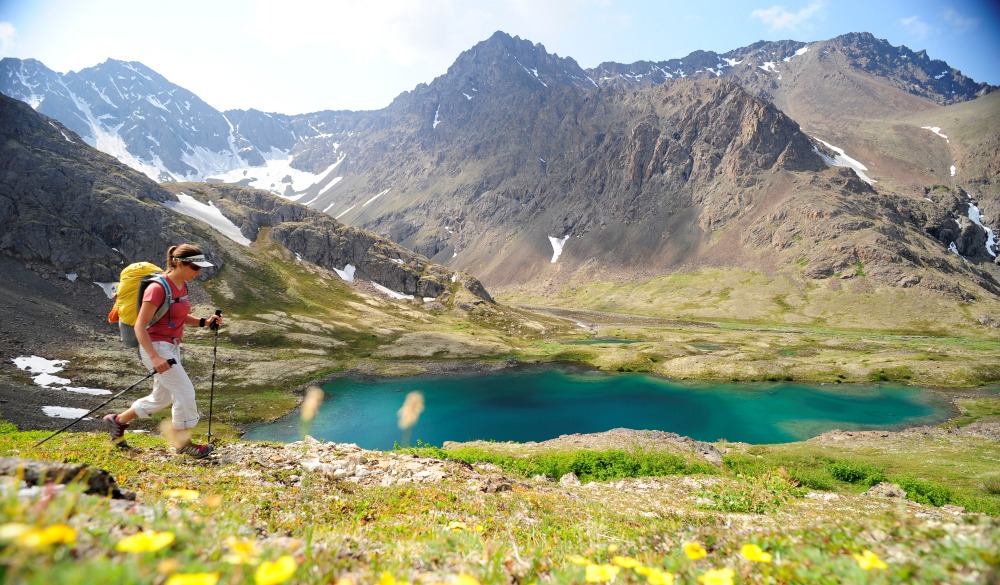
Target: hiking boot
(196,451)
(116,431)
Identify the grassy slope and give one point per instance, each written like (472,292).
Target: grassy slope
(437,532)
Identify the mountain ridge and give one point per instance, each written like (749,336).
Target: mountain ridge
(231,144)
(518,166)
(86,224)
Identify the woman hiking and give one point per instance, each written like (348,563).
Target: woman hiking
(162,342)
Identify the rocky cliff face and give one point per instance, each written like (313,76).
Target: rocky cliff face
(636,180)
(646,174)
(318,238)
(67,208)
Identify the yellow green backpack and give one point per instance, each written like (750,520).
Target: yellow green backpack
(131,285)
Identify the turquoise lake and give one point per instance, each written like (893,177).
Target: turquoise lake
(535,404)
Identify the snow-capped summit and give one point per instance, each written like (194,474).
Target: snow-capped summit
(130,111)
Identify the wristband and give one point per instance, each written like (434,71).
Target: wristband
(201,322)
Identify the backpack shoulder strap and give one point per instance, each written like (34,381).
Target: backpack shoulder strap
(167,301)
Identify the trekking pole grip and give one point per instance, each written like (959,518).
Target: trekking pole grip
(171,361)
(215,326)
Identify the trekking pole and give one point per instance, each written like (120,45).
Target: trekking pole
(211,394)
(171,361)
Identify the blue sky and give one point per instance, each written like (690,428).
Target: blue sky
(295,56)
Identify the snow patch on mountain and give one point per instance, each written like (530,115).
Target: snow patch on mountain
(936,130)
(208,162)
(366,203)
(842,160)
(798,53)
(977,218)
(208,213)
(276,175)
(557,247)
(347,274)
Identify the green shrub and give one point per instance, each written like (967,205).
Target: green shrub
(991,485)
(817,479)
(747,464)
(924,492)
(587,465)
(989,506)
(752,495)
(856,472)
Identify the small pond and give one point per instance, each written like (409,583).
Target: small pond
(539,403)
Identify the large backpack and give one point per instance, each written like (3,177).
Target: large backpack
(131,285)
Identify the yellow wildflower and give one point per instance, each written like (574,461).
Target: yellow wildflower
(753,553)
(625,562)
(694,551)
(717,577)
(345,581)
(241,552)
(148,541)
(279,571)
(387,579)
(12,530)
(868,560)
(41,538)
(612,548)
(658,577)
(193,579)
(578,560)
(464,579)
(181,494)
(601,573)
(457,526)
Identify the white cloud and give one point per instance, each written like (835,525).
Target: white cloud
(960,22)
(402,32)
(778,18)
(8,39)
(916,27)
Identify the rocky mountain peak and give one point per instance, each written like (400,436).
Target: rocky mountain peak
(503,59)
(915,73)
(138,116)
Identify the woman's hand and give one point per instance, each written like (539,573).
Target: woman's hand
(213,322)
(159,364)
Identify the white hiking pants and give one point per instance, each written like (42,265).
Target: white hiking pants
(170,387)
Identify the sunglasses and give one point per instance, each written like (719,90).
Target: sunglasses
(192,265)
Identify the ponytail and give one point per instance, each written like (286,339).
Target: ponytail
(170,257)
(182,251)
